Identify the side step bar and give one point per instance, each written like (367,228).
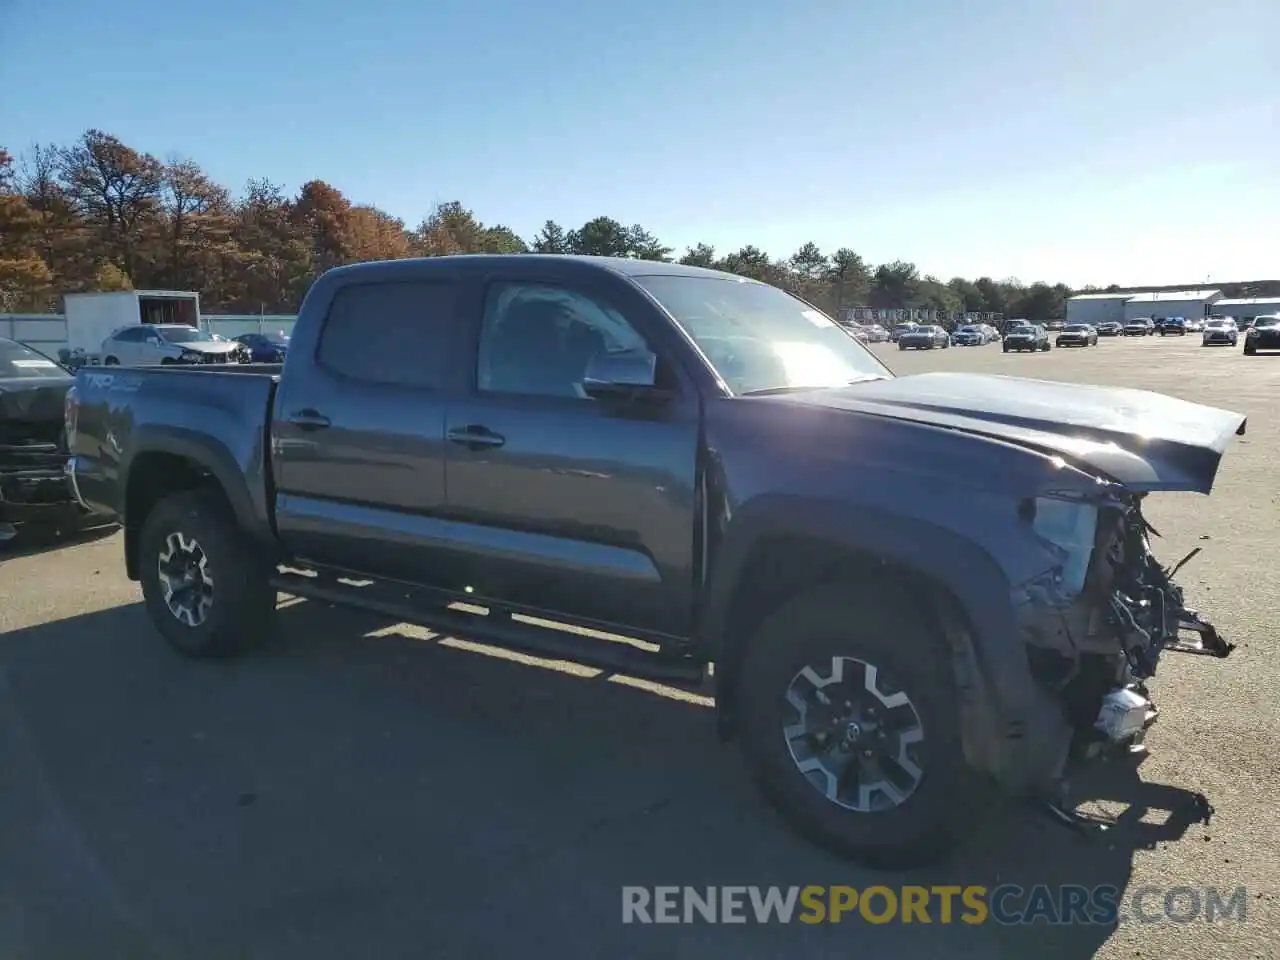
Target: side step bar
(501,630)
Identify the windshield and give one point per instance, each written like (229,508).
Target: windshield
(759,338)
(20,362)
(1218,324)
(1268,322)
(183,335)
(969,330)
(1078,327)
(1022,330)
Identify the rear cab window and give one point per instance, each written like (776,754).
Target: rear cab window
(390,332)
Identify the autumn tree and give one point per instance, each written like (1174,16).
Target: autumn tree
(198,221)
(61,235)
(374,234)
(452,228)
(270,265)
(117,192)
(23,274)
(323,215)
(99,214)
(501,239)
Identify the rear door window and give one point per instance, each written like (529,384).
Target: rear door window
(393,333)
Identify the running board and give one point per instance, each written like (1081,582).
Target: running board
(501,629)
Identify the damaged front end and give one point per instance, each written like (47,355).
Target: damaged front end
(1097,622)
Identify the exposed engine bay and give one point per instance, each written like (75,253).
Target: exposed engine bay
(1097,624)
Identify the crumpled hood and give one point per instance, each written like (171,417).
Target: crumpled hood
(1143,440)
(209,346)
(32,400)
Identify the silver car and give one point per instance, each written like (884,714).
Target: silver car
(150,344)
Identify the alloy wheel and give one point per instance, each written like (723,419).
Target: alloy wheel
(854,736)
(186,579)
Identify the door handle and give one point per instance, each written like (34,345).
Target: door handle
(476,437)
(308,419)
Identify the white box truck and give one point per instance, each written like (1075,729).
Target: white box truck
(92,317)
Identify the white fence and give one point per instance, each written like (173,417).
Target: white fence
(47,332)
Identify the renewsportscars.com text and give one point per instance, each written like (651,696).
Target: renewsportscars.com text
(973,905)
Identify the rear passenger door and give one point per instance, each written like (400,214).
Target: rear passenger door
(125,345)
(358,444)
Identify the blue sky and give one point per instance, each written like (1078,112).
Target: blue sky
(1088,141)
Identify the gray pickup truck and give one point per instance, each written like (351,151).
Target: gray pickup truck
(910,587)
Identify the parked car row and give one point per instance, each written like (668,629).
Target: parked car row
(1262,333)
(150,344)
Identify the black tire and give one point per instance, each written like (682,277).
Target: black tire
(1250,351)
(1005,347)
(829,622)
(241,599)
(902,346)
(111,362)
(166,361)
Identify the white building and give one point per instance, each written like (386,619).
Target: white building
(1171,303)
(1246,308)
(1096,308)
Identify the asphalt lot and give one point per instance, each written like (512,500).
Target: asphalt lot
(361,789)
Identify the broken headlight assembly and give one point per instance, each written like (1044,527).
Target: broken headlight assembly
(1098,618)
(1147,608)
(1066,529)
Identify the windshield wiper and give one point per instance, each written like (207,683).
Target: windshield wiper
(773,391)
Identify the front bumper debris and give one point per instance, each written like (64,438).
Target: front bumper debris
(33,483)
(1092,651)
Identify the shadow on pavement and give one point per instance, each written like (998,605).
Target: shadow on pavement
(34,539)
(339,794)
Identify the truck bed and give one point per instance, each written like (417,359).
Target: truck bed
(225,409)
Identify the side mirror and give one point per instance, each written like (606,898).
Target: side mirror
(627,375)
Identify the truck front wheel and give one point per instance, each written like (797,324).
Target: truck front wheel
(849,723)
(207,590)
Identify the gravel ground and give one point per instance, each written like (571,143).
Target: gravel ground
(359,790)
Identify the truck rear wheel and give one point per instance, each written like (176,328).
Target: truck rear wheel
(207,589)
(849,724)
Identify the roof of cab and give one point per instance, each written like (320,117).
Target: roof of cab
(624,266)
